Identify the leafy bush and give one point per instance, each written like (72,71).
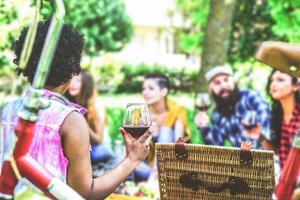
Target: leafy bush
(114,121)
(104,24)
(133,78)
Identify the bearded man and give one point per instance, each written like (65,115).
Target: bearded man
(232,107)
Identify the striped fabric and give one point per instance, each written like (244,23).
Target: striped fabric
(288,131)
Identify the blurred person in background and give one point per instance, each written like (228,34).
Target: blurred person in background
(283,89)
(62,141)
(232,105)
(169,120)
(82,91)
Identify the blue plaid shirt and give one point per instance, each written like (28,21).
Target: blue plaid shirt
(230,127)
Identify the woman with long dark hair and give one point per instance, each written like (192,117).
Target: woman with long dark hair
(82,91)
(285,121)
(283,91)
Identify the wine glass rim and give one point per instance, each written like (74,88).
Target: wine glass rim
(202,94)
(136,103)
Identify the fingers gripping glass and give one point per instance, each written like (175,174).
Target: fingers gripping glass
(136,119)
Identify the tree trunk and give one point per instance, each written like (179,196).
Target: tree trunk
(216,42)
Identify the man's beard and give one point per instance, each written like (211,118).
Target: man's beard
(226,105)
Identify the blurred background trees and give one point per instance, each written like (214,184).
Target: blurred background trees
(216,39)
(104,24)
(108,28)
(126,39)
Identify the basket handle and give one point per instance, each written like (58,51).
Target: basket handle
(180,151)
(236,185)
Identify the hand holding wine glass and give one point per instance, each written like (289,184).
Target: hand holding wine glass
(202,103)
(136,122)
(136,119)
(250,125)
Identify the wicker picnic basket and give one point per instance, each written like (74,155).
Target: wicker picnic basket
(189,171)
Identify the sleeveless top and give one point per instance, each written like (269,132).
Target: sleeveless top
(46,145)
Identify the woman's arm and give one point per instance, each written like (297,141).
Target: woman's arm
(76,147)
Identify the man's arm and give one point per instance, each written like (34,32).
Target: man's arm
(263,134)
(213,135)
(76,147)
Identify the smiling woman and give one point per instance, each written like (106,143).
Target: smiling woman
(169,119)
(284,92)
(82,91)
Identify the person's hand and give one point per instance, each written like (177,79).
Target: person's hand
(201,119)
(253,133)
(137,149)
(296,194)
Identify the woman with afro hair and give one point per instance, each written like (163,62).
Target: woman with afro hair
(61,142)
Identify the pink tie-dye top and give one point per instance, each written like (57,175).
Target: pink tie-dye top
(46,146)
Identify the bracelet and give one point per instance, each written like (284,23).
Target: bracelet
(261,138)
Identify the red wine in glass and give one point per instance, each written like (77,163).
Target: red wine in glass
(249,121)
(136,119)
(136,131)
(202,102)
(203,108)
(249,127)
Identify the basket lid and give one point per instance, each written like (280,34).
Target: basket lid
(213,172)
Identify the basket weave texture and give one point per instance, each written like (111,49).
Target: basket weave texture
(214,165)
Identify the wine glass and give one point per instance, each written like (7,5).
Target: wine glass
(249,121)
(136,119)
(202,102)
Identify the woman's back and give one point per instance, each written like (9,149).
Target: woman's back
(46,145)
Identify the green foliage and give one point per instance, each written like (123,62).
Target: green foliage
(287,18)
(194,14)
(252,23)
(104,24)
(8,15)
(134,77)
(252,75)
(11,23)
(109,76)
(195,134)
(114,121)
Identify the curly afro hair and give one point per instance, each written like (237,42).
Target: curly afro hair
(66,60)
